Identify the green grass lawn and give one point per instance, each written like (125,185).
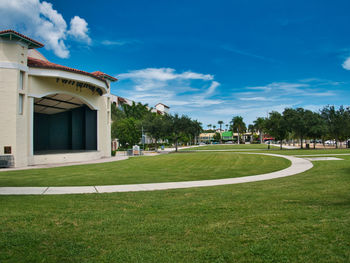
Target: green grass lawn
(301,218)
(163,168)
(309,151)
(231,147)
(273,149)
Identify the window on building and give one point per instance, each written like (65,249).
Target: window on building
(21,80)
(20,104)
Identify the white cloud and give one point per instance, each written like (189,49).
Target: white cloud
(163,74)
(79,29)
(346,64)
(256,99)
(245,53)
(212,88)
(40,20)
(181,90)
(113,43)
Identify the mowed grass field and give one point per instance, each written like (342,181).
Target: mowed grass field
(301,218)
(273,149)
(163,168)
(231,147)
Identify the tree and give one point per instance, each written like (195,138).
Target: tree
(195,129)
(209,126)
(116,113)
(220,123)
(297,120)
(154,126)
(137,111)
(337,122)
(127,131)
(251,129)
(259,126)
(178,127)
(238,126)
(217,137)
(276,125)
(214,127)
(318,128)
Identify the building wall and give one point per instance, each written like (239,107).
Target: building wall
(16,130)
(13,59)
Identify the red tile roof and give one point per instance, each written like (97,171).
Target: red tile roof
(38,63)
(104,75)
(9,32)
(120,99)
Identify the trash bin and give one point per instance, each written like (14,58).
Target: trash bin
(348,144)
(308,146)
(162,147)
(130,152)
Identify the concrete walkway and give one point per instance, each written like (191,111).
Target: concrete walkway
(321,154)
(298,166)
(228,150)
(285,146)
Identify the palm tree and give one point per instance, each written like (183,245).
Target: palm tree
(251,129)
(259,124)
(226,127)
(238,125)
(220,123)
(214,127)
(209,126)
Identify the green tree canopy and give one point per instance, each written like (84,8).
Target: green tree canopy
(298,122)
(259,125)
(238,125)
(127,131)
(337,121)
(276,126)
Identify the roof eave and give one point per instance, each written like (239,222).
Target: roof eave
(12,35)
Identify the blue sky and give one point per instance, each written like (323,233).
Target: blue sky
(211,60)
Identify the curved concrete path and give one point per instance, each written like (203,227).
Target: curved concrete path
(298,165)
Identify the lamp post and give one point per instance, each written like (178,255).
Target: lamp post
(143,138)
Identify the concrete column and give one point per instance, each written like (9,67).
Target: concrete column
(31,125)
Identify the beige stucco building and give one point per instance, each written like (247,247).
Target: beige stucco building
(49,113)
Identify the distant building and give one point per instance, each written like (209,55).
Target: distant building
(206,137)
(118,101)
(162,108)
(227,136)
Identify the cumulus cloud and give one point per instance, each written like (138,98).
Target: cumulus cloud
(79,29)
(40,20)
(182,90)
(346,64)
